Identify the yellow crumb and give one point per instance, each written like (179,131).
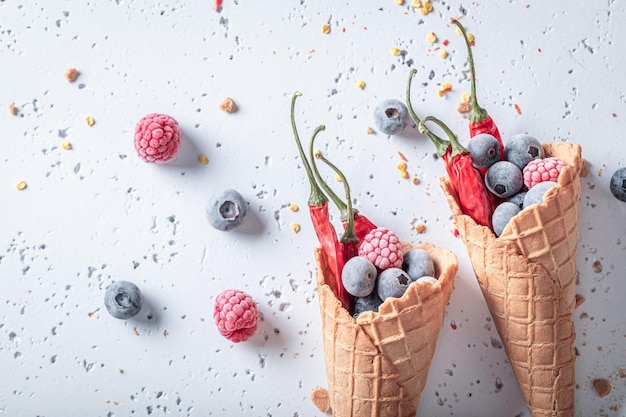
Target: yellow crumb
(399,2)
(404,173)
(470,37)
(202,159)
(402,166)
(66,145)
(360,84)
(325,29)
(294,207)
(431,37)
(443,54)
(458,31)
(370,131)
(71,74)
(228,105)
(12,109)
(21,185)
(416,3)
(445,87)
(426,8)
(338,178)
(295,227)
(90,121)
(395,51)
(466,97)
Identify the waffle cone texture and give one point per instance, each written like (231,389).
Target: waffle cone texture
(376,365)
(528,277)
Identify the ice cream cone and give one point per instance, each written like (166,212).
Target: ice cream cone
(527,276)
(376,365)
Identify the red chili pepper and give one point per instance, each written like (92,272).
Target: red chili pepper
(479,119)
(318,207)
(474,198)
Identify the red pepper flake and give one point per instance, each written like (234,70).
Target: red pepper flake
(538,49)
(218,5)
(453,325)
(445,42)
(455,232)
(614,114)
(517,109)
(527,6)
(401,155)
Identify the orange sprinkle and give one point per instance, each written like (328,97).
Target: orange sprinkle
(401,155)
(517,109)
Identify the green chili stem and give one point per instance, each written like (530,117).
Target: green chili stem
(349,234)
(441,145)
(457,148)
(476,113)
(317,197)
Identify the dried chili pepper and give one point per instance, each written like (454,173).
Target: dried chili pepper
(362,225)
(474,198)
(479,119)
(318,205)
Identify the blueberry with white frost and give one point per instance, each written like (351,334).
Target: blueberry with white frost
(418,263)
(122,299)
(485,150)
(618,184)
(227,210)
(368,303)
(504,179)
(502,215)
(392,282)
(518,199)
(536,193)
(391,116)
(359,276)
(521,149)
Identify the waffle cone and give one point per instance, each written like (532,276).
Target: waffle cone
(527,276)
(376,365)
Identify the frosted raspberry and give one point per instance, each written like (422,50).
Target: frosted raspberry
(157,137)
(235,315)
(383,248)
(540,170)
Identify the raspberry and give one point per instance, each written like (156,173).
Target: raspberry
(235,315)
(540,170)
(157,137)
(383,248)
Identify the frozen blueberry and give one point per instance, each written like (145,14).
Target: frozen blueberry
(391,116)
(521,149)
(227,210)
(504,179)
(536,193)
(429,279)
(485,150)
(392,282)
(502,215)
(518,199)
(618,184)
(418,263)
(369,303)
(359,276)
(122,299)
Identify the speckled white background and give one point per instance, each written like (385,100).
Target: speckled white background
(97,213)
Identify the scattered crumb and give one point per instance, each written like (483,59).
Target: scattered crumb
(399,2)
(338,178)
(431,37)
(415,180)
(360,84)
(228,105)
(466,97)
(445,87)
(463,107)
(66,145)
(579,300)
(71,74)
(325,29)
(602,387)
(294,207)
(597,267)
(165,333)
(517,108)
(404,173)
(370,131)
(401,166)
(295,227)
(12,109)
(90,121)
(396,52)
(420,228)
(401,155)
(21,185)
(424,7)
(321,399)
(120,370)
(202,159)
(443,54)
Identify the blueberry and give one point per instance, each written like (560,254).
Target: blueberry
(122,299)
(618,184)
(521,149)
(536,193)
(369,303)
(502,215)
(504,179)
(392,282)
(227,210)
(391,116)
(418,263)
(359,276)
(485,150)
(429,279)
(518,199)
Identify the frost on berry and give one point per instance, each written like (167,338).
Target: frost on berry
(382,248)
(235,315)
(157,137)
(541,170)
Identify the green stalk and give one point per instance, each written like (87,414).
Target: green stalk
(457,148)
(349,234)
(441,145)
(317,197)
(476,113)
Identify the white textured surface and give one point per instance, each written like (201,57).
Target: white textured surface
(97,213)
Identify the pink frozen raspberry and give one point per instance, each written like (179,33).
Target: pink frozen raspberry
(157,137)
(540,170)
(235,315)
(383,248)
